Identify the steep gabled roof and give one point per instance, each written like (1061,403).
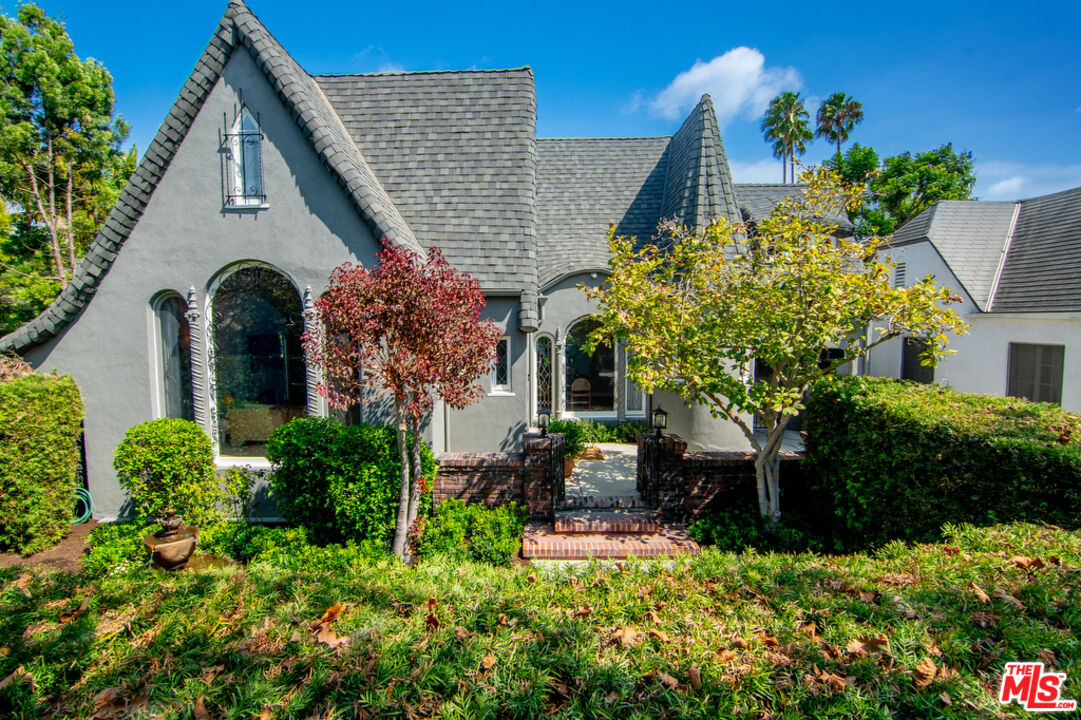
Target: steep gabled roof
(698,183)
(300,95)
(757,200)
(586,184)
(1042,272)
(455,151)
(970,236)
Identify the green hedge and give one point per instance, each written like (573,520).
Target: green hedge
(40,423)
(339,482)
(576,433)
(896,460)
(472,531)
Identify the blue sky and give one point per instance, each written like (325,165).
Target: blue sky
(997,79)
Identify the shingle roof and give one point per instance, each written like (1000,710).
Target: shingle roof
(970,236)
(586,184)
(757,200)
(455,151)
(309,108)
(1042,272)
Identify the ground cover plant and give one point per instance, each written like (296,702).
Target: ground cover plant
(910,631)
(951,457)
(577,433)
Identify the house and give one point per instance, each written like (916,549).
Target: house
(193,297)
(1017,268)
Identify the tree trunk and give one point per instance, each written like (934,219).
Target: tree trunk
(70,224)
(414,500)
(401,528)
(50,225)
(767,467)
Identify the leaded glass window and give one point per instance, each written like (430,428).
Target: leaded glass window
(245,162)
(544,373)
(175,358)
(501,370)
(259,372)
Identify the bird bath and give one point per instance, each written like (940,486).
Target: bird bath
(171,546)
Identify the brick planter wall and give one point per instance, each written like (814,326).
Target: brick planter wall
(532,478)
(684,485)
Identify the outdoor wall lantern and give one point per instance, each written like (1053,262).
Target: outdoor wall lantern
(544,418)
(660,420)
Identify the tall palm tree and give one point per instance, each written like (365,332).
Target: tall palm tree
(836,118)
(785,125)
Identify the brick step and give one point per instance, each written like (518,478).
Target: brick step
(542,542)
(605,521)
(602,502)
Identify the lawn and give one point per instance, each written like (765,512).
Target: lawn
(910,632)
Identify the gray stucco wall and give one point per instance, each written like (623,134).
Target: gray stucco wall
(566,304)
(497,420)
(186,238)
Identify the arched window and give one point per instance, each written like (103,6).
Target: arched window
(259,373)
(245,162)
(174,335)
(590,379)
(544,374)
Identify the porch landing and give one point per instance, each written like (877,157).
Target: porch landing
(603,517)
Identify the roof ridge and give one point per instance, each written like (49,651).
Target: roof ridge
(524,68)
(627,137)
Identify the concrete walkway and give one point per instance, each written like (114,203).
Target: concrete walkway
(616,475)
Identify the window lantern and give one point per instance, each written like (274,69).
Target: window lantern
(544,418)
(660,420)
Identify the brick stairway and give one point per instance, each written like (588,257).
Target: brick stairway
(605,528)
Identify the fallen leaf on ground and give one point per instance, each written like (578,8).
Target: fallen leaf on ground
(654,617)
(329,638)
(980,594)
(583,611)
(836,682)
(431,622)
(296,637)
(659,636)
(1047,657)
(109,703)
(488,662)
(532,578)
(669,681)
(726,655)
(211,672)
(870,596)
(264,714)
(945,698)
(868,645)
(23,582)
(1027,563)
(331,614)
(507,621)
(199,710)
(1003,595)
(767,640)
(461,634)
(925,673)
(624,636)
(984,619)
(16,675)
(695,676)
(741,643)
(432,602)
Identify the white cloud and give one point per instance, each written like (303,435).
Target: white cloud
(738,81)
(766,170)
(391,67)
(631,106)
(1017,181)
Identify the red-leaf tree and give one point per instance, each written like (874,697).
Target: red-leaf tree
(408,327)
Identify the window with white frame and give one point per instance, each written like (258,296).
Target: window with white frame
(1035,372)
(244,163)
(635,398)
(501,369)
(174,358)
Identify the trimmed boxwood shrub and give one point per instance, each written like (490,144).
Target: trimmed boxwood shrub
(339,482)
(40,423)
(895,460)
(466,531)
(169,463)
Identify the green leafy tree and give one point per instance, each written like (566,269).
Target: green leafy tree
(785,124)
(700,308)
(61,162)
(836,118)
(904,185)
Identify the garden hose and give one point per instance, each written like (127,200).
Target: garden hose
(82,497)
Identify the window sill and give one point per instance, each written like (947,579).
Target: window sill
(224,462)
(246,208)
(501,393)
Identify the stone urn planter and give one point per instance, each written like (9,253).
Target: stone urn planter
(174,544)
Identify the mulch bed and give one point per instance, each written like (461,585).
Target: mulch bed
(64,555)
